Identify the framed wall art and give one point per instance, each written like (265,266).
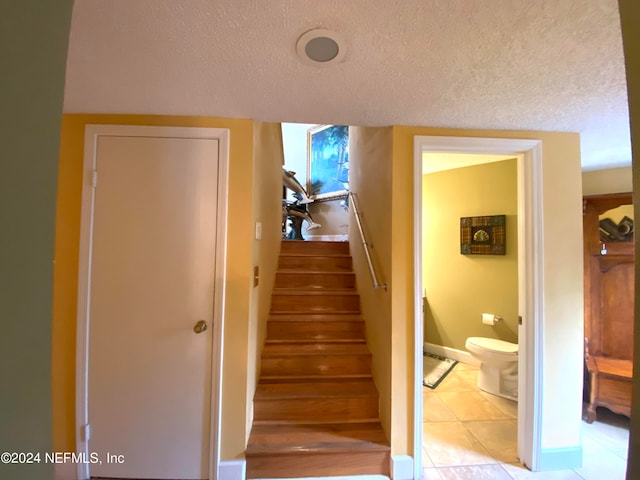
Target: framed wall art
(483,235)
(328,162)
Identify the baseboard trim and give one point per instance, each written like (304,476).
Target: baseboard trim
(232,470)
(401,467)
(563,458)
(328,238)
(339,477)
(455,354)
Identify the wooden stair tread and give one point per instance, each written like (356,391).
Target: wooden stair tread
(307,389)
(286,242)
(316,263)
(314,310)
(336,328)
(304,292)
(317,421)
(310,287)
(311,376)
(315,341)
(315,317)
(315,338)
(313,245)
(293,271)
(269,439)
(315,254)
(315,348)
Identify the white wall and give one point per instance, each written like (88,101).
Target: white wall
(294,140)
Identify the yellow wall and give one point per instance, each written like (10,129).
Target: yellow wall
(610,180)
(459,288)
(387,203)
(238,278)
(562,257)
(629,14)
(267,208)
(370,180)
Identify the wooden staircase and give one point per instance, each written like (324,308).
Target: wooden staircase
(315,406)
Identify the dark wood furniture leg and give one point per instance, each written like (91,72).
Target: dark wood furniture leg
(591,408)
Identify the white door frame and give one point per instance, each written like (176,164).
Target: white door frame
(92,134)
(530,279)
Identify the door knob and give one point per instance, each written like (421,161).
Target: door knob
(200,327)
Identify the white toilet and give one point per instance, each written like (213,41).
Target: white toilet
(498,367)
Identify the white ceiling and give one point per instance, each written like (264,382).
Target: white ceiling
(484,64)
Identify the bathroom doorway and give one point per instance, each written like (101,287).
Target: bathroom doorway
(464,426)
(528,155)
(463,280)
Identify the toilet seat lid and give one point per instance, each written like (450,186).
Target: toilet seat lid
(494,344)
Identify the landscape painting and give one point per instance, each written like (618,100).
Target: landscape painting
(328,162)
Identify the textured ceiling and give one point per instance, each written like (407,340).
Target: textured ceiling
(483,64)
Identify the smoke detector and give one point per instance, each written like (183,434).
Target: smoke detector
(321,47)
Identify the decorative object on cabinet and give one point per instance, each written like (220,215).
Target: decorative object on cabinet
(609,304)
(619,232)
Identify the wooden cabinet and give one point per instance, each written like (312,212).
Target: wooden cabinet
(609,304)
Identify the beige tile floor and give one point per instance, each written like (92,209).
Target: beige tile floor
(471,435)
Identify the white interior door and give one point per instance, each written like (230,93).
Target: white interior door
(151,281)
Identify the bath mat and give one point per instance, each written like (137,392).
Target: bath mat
(435,368)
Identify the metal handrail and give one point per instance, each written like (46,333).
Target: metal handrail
(366,245)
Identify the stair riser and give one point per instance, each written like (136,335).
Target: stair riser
(315,248)
(314,264)
(320,331)
(316,317)
(315,303)
(315,280)
(316,365)
(316,465)
(312,409)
